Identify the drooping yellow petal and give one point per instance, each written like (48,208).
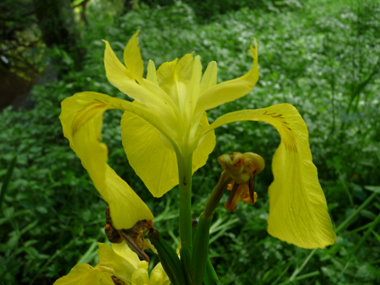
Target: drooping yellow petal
(126,208)
(85,274)
(132,57)
(298,210)
(82,119)
(153,161)
(120,260)
(232,89)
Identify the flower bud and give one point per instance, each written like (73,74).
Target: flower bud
(242,166)
(254,161)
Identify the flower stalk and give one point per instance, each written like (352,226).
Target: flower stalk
(217,193)
(201,241)
(185,219)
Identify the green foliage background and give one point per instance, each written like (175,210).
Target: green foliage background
(321,56)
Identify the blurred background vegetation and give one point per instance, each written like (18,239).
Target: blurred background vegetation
(321,56)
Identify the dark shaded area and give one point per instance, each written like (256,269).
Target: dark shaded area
(58,28)
(207,10)
(14,90)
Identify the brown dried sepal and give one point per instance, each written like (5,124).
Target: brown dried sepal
(138,231)
(242,168)
(134,236)
(117,281)
(108,216)
(112,234)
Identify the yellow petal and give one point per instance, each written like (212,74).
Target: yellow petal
(184,68)
(193,88)
(85,274)
(152,73)
(153,161)
(120,260)
(143,90)
(82,119)
(180,79)
(116,71)
(209,77)
(166,80)
(158,276)
(126,207)
(140,277)
(232,89)
(298,210)
(165,72)
(132,57)
(206,145)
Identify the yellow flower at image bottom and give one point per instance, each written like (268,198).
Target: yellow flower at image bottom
(116,262)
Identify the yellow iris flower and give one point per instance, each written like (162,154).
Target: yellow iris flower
(168,122)
(118,262)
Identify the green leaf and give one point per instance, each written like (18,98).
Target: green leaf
(377,236)
(373,188)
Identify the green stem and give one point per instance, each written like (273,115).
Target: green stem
(308,275)
(366,234)
(185,221)
(358,229)
(201,244)
(295,273)
(354,214)
(185,180)
(200,258)
(217,194)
